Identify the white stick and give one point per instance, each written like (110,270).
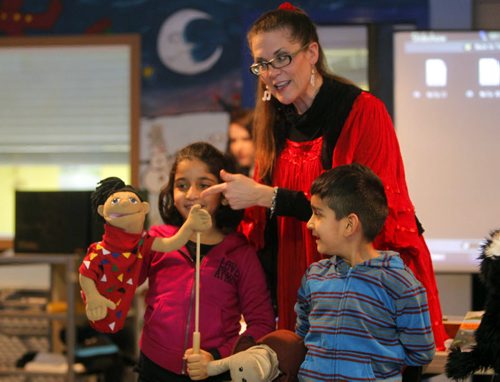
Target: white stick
(196,333)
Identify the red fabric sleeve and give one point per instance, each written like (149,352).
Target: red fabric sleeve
(369,138)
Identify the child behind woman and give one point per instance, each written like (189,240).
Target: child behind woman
(232,282)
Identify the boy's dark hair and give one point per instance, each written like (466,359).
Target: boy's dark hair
(226,219)
(107,187)
(354,188)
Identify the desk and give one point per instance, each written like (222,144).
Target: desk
(6,243)
(437,365)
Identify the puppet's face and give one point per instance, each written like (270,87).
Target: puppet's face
(124,210)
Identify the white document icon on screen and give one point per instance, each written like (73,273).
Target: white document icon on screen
(489,72)
(435,72)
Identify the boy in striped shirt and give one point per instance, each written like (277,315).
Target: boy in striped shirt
(362,313)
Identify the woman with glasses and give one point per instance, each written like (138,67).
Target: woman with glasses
(308,120)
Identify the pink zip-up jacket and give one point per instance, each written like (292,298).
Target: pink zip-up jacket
(232,283)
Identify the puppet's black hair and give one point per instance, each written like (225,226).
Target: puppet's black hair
(106,188)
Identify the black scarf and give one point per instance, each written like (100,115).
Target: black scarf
(325,117)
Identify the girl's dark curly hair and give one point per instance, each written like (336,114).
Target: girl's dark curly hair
(226,219)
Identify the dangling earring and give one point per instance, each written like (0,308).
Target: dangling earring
(313,78)
(267,95)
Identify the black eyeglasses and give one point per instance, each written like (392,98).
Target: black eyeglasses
(278,62)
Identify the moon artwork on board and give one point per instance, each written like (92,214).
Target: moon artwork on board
(175,52)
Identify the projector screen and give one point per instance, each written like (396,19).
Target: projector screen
(447,118)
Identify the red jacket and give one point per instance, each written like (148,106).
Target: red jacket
(232,284)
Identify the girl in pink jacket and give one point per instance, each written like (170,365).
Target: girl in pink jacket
(232,281)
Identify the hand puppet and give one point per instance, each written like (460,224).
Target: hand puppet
(276,356)
(485,354)
(110,270)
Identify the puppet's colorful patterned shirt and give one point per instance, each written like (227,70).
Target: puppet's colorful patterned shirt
(114,264)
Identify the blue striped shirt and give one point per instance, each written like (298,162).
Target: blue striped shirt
(362,323)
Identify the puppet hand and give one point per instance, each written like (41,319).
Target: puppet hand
(257,364)
(199,219)
(97,306)
(241,191)
(197,364)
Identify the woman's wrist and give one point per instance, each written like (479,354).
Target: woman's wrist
(272,209)
(266,197)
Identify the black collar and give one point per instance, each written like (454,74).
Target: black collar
(325,117)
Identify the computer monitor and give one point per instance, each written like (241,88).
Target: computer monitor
(55,222)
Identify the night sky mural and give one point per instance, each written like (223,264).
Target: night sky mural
(192,51)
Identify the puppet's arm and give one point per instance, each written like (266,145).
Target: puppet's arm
(95,304)
(258,364)
(197,221)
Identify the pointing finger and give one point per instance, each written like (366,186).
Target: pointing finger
(221,187)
